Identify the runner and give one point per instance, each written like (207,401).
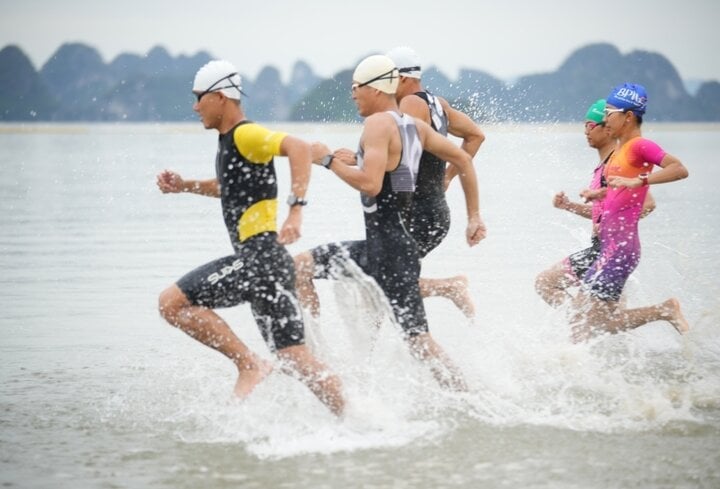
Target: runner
(596,308)
(384,171)
(260,270)
(552,284)
(430,215)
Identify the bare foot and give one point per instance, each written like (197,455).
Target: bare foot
(676,316)
(460,296)
(248,378)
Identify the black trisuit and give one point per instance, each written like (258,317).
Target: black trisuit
(430,215)
(389,254)
(261,271)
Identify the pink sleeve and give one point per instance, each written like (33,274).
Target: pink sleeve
(648,151)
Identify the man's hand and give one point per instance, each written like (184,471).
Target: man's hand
(589,195)
(290,230)
(561,200)
(346,156)
(616,182)
(170,182)
(475,231)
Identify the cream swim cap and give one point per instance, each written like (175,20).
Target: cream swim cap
(377,71)
(218,76)
(407,61)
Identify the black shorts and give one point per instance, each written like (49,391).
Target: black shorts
(429,223)
(396,275)
(262,273)
(579,262)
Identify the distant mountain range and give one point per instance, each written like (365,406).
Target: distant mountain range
(76,85)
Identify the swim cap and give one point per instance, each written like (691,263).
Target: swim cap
(407,61)
(629,96)
(379,72)
(218,76)
(596,112)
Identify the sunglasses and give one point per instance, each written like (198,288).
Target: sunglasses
(590,125)
(385,76)
(607,111)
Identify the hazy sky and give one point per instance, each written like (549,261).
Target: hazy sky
(506,38)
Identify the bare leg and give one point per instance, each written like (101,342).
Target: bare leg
(307,295)
(208,328)
(326,386)
(665,311)
(424,347)
(589,316)
(593,316)
(453,288)
(552,284)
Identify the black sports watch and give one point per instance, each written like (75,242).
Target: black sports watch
(327,161)
(294,200)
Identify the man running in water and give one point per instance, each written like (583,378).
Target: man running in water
(430,215)
(552,284)
(260,270)
(384,171)
(596,308)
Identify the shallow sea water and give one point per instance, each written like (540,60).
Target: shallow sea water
(96,391)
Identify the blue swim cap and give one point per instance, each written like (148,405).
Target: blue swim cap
(629,96)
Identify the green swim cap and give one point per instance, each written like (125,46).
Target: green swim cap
(596,112)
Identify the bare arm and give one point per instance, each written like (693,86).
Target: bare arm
(671,170)
(375,141)
(463,127)
(346,156)
(170,182)
(593,194)
(561,201)
(298,153)
(445,150)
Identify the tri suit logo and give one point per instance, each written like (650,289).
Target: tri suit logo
(215,277)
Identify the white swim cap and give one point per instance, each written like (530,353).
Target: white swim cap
(218,76)
(407,61)
(379,72)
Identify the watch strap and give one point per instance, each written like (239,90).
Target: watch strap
(294,200)
(327,160)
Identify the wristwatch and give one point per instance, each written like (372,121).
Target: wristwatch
(294,200)
(327,161)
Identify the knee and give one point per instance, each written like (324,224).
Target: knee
(541,281)
(170,301)
(293,359)
(553,278)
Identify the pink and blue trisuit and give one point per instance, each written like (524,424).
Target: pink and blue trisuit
(621,209)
